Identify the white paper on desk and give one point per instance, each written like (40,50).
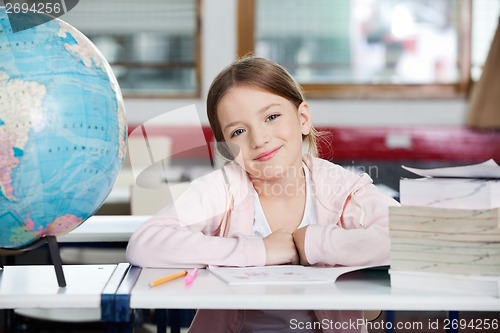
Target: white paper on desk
(487,169)
(282,274)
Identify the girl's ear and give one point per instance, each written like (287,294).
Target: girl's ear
(305,119)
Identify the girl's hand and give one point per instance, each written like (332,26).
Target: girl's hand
(280,248)
(299,237)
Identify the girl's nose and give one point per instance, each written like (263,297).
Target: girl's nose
(259,138)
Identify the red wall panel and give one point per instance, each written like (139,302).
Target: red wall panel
(446,144)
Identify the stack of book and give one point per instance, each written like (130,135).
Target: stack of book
(445,236)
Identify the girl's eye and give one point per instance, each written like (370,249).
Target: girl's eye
(272,117)
(237,132)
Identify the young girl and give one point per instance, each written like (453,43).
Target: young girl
(270,204)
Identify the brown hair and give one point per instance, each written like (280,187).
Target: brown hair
(263,74)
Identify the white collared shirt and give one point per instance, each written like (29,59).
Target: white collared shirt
(261,226)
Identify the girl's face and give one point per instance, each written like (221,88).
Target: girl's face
(264,131)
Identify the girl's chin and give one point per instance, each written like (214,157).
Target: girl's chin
(266,172)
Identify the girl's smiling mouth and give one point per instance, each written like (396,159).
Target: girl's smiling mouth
(266,156)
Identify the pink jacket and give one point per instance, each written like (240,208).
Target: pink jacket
(351,230)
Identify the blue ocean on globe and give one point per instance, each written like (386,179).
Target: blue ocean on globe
(63,131)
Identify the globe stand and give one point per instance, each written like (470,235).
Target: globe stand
(55,255)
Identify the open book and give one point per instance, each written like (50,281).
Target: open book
(282,274)
(486,169)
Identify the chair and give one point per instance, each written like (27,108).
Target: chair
(147,201)
(371,315)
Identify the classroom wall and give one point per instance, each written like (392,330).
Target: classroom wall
(219,24)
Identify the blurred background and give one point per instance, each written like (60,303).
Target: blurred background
(390,82)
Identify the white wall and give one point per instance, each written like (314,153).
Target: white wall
(219,35)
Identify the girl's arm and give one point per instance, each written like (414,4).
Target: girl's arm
(361,237)
(181,235)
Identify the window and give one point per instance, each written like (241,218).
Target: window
(484,22)
(152,45)
(368,48)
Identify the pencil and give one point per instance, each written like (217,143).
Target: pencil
(168,278)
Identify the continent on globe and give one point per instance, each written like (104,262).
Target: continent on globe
(63,130)
(20,111)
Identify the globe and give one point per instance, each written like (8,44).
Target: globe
(63,131)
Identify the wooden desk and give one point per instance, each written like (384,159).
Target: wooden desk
(116,289)
(99,240)
(354,291)
(36,286)
(102,228)
(90,292)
